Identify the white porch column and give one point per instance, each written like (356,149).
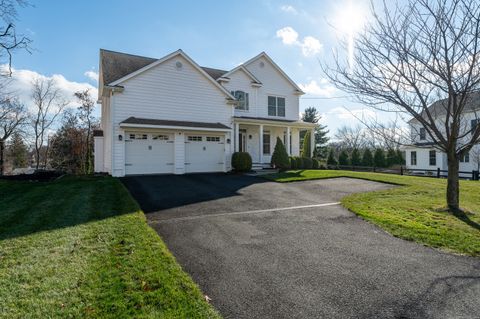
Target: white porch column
(260,146)
(287,142)
(235,137)
(312,141)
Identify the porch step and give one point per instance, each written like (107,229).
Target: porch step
(258,166)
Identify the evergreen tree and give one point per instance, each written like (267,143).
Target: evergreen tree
(280,156)
(367,158)
(18,151)
(306,147)
(356,159)
(391,157)
(311,116)
(343,158)
(379,158)
(331,158)
(400,159)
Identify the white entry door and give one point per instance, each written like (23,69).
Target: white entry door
(148,153)
(204,153)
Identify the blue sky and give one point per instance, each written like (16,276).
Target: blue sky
(67,36)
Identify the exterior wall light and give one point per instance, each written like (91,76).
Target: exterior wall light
(120,137)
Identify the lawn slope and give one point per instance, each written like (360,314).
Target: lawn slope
(80,247)
(413,211)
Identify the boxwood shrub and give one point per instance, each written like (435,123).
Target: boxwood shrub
(307,163)
(299,161)
(293,162)
(241,162)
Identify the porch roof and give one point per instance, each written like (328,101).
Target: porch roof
(272,121)
(158,123)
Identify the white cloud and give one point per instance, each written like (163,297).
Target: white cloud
(288,35)
(20,85)
(324,88)
(310,46)
(92,75)
(289,9)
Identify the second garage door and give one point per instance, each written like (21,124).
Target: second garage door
(204,153)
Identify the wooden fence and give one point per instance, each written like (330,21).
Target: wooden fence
(436,173)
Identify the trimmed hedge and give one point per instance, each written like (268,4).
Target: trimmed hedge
(241,162)
(293,162)
(307,163)
(315,164)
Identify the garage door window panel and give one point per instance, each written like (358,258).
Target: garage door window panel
(160,137)
(134,136)
(194,138)
(213,138)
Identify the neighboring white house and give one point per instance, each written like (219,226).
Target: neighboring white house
(423,155)
(171,116)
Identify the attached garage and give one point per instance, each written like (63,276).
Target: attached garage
(174,147)
(149,153)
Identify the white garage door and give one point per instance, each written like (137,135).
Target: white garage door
(204,153)
(147,153)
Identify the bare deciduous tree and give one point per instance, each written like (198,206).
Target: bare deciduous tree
(352,137)
(87,104)
(10,41)
(48,104)
(412,56)
(12,116)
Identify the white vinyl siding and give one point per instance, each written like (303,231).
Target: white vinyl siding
(168,93)
(273,84)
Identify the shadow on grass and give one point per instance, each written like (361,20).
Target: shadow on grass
(31,207)
(463,216)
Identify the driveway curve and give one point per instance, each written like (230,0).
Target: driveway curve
(261,249)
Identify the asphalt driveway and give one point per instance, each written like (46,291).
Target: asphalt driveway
(261,249)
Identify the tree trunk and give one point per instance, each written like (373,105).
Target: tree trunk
(2,150)
(453,186)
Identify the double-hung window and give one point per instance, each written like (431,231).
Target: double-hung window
(276,106)
(413,158)
(423,134)
(242,100)
(432,157)
(465,158)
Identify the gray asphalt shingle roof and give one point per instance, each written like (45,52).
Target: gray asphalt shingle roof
(439,107)
(116,65)
(135,120)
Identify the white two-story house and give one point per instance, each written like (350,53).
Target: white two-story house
(171,116)
(422,154)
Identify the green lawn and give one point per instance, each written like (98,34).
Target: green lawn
(81,247)
(414,210)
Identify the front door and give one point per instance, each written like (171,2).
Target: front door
(242,147)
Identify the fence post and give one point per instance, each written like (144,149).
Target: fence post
(438,172)
(401,169)
(473,175)
(374,169)
(476,177)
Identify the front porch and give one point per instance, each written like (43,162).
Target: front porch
(258,138)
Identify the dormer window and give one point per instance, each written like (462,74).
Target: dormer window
(423,134)
(242,100)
